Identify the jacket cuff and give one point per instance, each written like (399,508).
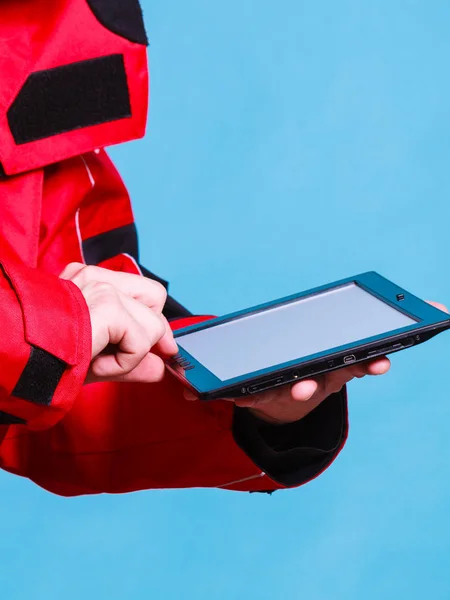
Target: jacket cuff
(48,345)
(294,453)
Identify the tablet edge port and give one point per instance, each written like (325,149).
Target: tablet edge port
(349,359)
(265,385)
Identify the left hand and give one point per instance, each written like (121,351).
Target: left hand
(285,405)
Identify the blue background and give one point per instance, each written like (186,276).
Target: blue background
(289,144)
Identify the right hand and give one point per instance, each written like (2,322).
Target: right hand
(127,324)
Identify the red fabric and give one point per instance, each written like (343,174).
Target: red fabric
(106,437)
(42,310)
(36,35)
(37,307)
(93,218)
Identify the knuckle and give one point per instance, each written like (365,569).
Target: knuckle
(98,293)
(143,343)
(73,266)
(159,292)
(71,270)
(133,358)
(127,364)
(103,288)
(88,273)
(98,371)
(161,326)
(158,327)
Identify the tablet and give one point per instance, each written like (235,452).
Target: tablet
(302,336)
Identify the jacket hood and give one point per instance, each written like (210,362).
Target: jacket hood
(73,77)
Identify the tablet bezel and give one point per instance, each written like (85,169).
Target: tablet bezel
(206,385)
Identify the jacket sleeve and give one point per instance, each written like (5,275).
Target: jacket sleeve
(295,453)
(44,345)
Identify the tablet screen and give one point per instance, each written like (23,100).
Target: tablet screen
(292,331)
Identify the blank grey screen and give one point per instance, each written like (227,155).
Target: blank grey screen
(291,331)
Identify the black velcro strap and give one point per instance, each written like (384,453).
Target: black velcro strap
(40,378)
(172,309)
(81,94)
(123,17)
(7,419)
(122,240)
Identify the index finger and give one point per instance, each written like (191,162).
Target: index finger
(147,291)
(167,345)
(333,381)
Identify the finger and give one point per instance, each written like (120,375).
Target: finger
(150,369)
(333,382)
(327,384)
(246,402)
(379,366)
(72,270)
(149,292)
(278,395)
(154,324)
(167,345)
(129,343)
(304,390)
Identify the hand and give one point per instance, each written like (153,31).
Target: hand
(284,405)
(127,324)
(288,404)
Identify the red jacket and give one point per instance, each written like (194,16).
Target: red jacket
(74,80)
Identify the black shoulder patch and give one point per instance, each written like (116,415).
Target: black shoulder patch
(7,419)
(40,377)
(81,94)
(123,17)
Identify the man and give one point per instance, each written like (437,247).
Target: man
(84,405)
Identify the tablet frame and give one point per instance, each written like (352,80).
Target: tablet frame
(207,386)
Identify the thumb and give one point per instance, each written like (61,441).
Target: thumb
(304,390)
